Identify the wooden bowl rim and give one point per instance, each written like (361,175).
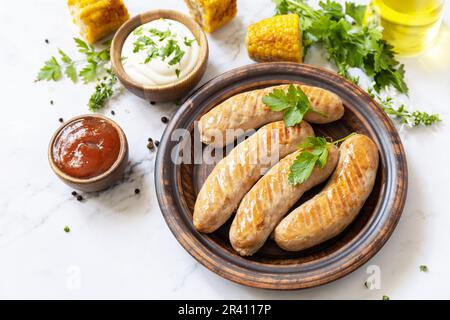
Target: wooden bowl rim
(333,266)
(128,27)
(81,181)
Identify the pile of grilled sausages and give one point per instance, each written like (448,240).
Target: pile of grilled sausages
(263,203)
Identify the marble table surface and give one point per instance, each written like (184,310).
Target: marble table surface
(119,245)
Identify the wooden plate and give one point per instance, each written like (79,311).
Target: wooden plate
(178,184)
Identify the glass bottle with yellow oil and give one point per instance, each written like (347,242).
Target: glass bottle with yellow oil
(411,26)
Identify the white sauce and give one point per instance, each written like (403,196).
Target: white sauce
(157,71)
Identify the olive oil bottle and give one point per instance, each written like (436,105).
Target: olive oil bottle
(411,26)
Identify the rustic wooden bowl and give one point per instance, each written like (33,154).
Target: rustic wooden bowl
(177,185)
(99,182)
(160,93)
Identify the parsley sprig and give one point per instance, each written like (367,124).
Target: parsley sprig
(294,103)
(95,60)
(69,66)
(50,71)
(93,67)
(352,42)
(103,91)
(315,152)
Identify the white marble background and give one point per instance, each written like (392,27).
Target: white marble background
(119,245)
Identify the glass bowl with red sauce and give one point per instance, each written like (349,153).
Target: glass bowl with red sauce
(89,152)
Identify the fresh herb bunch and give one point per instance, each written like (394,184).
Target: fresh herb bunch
(348,41)
(95,66)
(294,104)
(315,152)
(352,42)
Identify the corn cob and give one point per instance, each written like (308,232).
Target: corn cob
(212,14)
(275,39)
(98,18)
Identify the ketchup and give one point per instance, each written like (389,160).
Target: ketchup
(86,147)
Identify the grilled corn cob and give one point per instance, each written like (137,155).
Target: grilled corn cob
(97,18)
(212,14)
(275,39)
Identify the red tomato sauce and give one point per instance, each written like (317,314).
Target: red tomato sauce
(86,148)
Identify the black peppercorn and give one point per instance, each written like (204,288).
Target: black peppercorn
(74,193)
(150,145)
(46,41)
(112,112)
(164,119)
(79,198)
(152,102)
(61,120)
(137,191)
(156,143)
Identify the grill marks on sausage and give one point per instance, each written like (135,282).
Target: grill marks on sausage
(270,199)
(329,212)
(234,175)
(247,111)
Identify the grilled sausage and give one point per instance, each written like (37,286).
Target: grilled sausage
(270,199)
(247,111)
(332,210)
(235,174)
